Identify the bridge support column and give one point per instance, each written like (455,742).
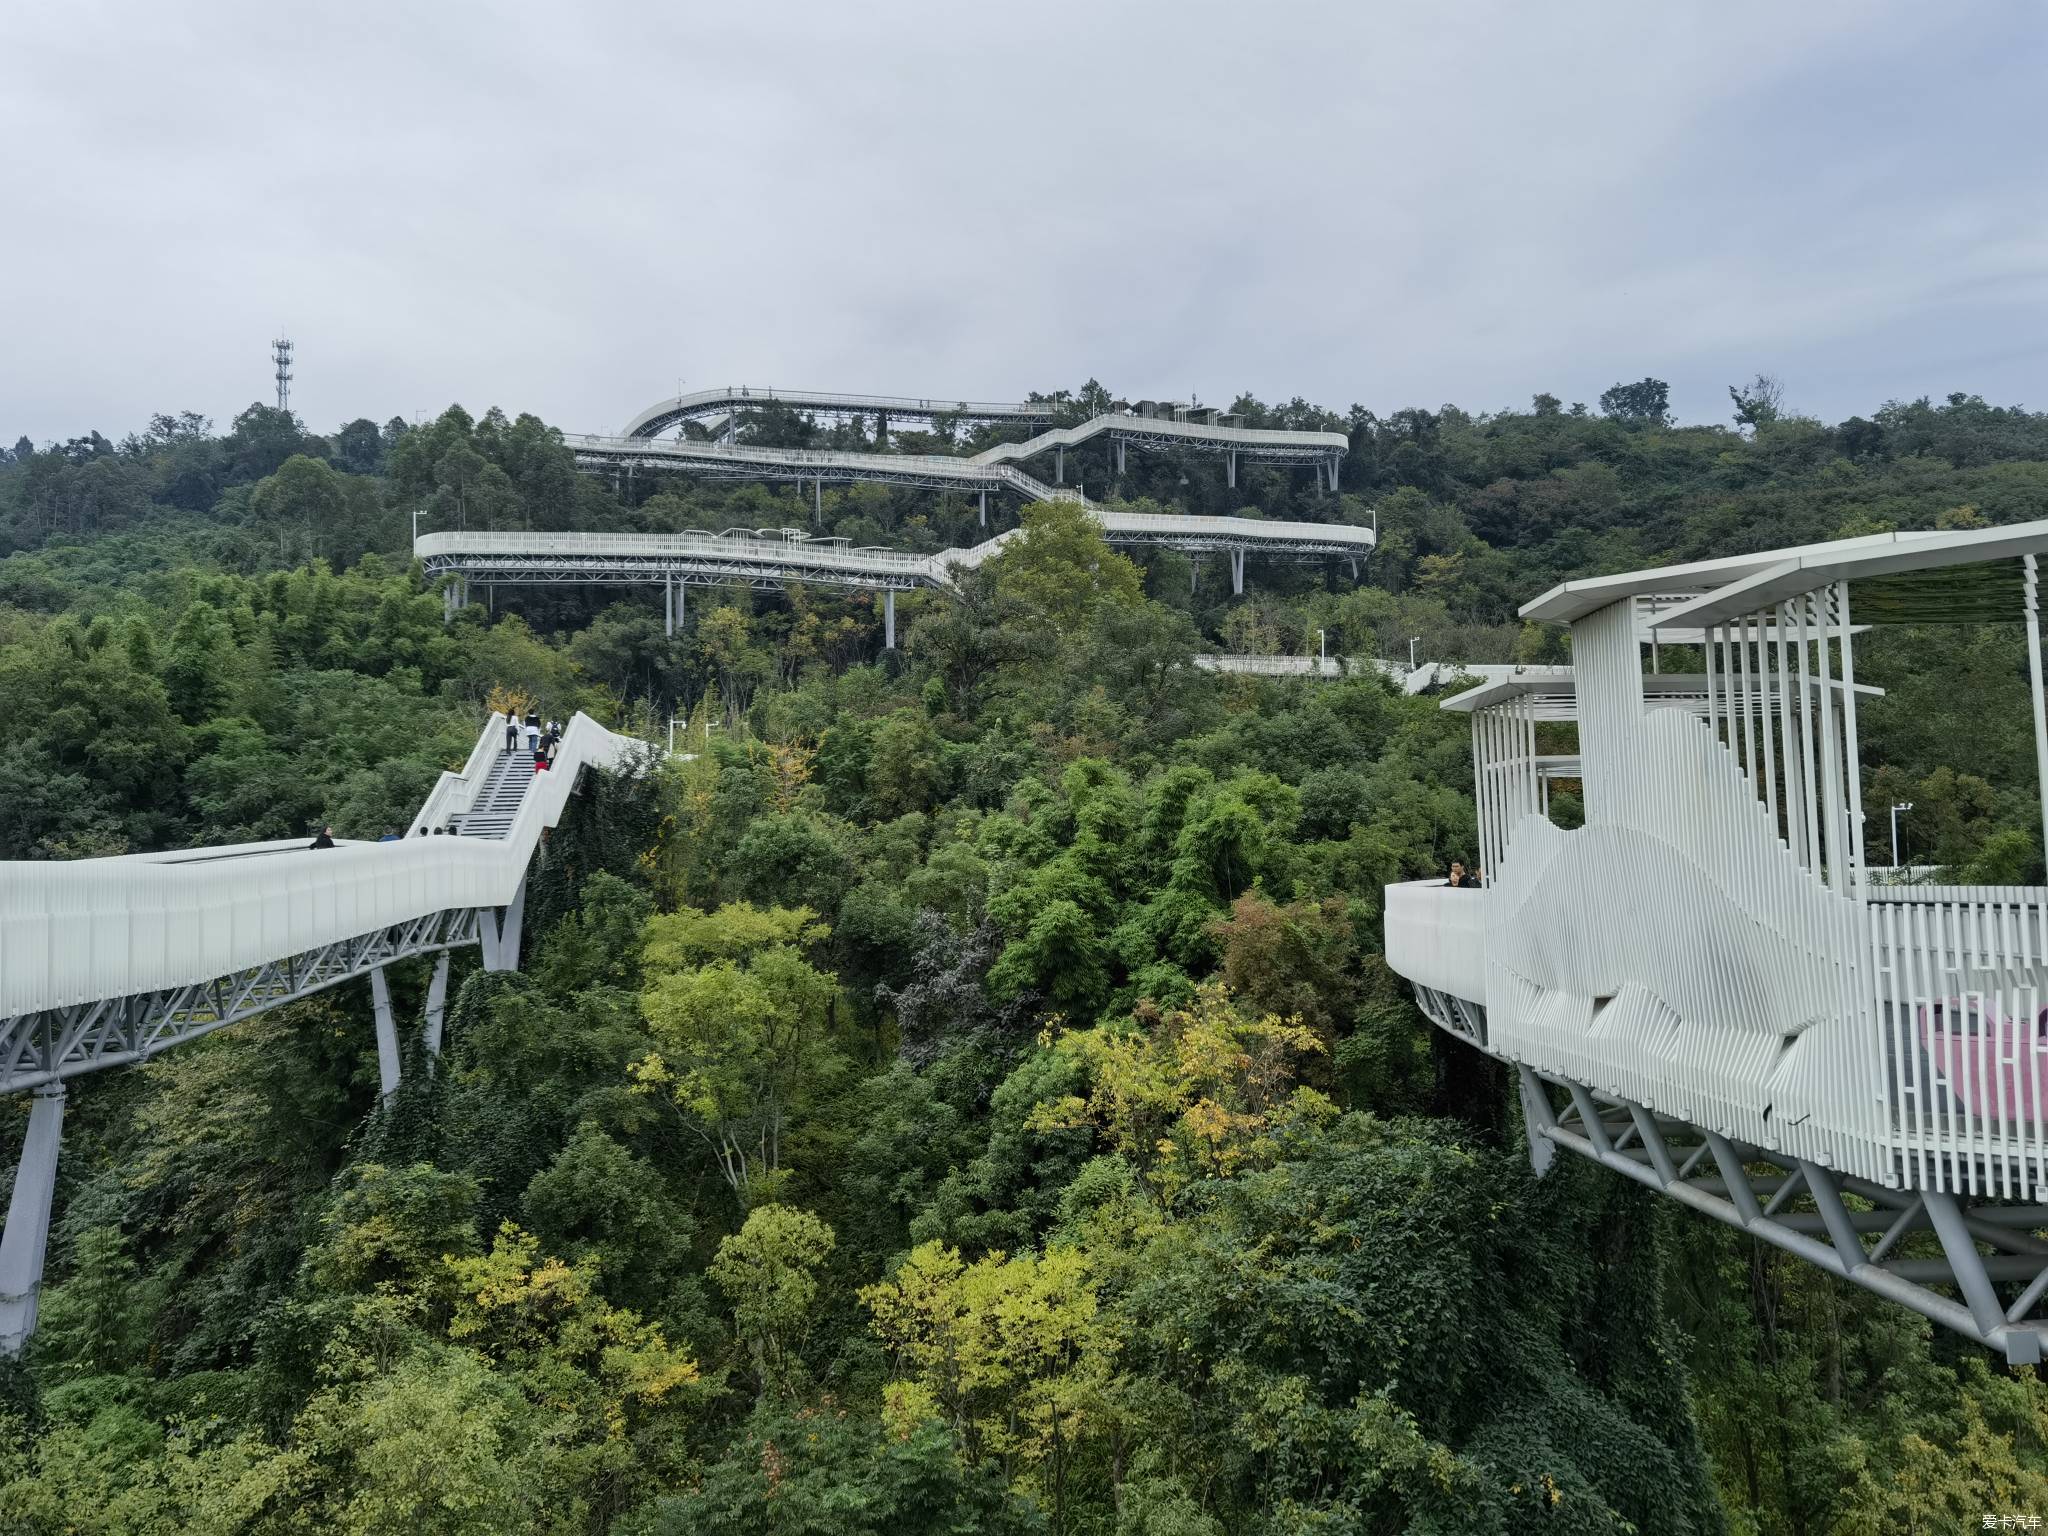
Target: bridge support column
(1059,466)
(889,618)
(27,1237)
(1121,445)
(508,932)
(984,506)
(1354,567)
(387,1033)
(1231,469)
(1335,465)
(1537,1117)
(881,429)
(818,501)
(668,606)
(1237,572)
(437,1004)
(448,603)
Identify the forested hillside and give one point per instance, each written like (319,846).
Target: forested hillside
(964,1093)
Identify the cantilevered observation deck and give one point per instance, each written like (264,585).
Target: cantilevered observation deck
(1706,986)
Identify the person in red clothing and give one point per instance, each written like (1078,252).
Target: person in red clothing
(540,762)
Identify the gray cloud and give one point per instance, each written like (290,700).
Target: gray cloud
(565,209)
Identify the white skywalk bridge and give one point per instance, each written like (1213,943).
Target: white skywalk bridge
(640,446)
(769,557)
(1706,987)
(105,962)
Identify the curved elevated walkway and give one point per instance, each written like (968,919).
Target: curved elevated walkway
(703,404)
(640,445)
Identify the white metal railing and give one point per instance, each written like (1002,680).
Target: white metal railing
(1960,978)
(1436,936)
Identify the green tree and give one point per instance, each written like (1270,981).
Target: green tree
(768,1272)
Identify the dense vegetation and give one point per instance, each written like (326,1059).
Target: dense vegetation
(964,1095)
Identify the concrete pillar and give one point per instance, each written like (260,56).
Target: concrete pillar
(881,429)
(387,1033)
(1231,472)
(1194,573)
(1059,466)
(682,601)
(1237,572)
(818,501)
(1354,567)
(437,1004)
(448,603)
(889,618)
(1120,446)
(27,1236)
(668,605)
(984,506)
(487,936)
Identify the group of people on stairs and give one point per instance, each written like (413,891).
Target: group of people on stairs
(542,738)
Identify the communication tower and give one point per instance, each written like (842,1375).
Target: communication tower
(281,352)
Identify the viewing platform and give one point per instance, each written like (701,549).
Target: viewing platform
(1706,986)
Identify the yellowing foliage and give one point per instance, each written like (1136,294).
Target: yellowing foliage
(1188,1094)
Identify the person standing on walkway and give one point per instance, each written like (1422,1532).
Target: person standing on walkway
(533,730)
(511,731)
(325,839)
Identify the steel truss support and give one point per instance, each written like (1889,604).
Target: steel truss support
(27,1234)
(1821,1215)
(56,1044)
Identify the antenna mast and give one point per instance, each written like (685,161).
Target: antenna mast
(281,352)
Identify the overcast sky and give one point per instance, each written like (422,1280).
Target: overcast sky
(566,208)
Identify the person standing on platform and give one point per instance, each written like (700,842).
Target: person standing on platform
(533,730)
(511,731)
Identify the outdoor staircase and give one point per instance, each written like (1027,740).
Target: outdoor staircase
(490,813)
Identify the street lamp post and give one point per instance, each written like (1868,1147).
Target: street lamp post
(416,524)
(1902,805)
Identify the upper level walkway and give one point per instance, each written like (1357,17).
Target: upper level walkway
(1706,986)
(725,399)
(641,446)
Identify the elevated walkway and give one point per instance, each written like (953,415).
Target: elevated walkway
(104,962)
(705,405)
(770,557)
(640,446)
